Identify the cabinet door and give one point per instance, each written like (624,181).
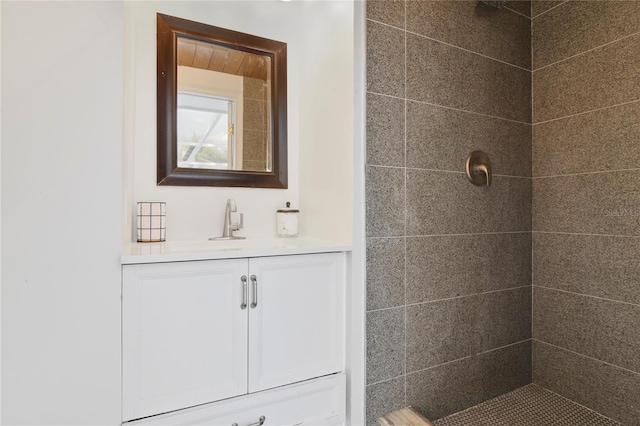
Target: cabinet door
(184,335)
(296,328)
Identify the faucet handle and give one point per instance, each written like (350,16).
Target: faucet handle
(241,224)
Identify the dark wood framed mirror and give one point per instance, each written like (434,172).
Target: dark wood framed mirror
(221,107)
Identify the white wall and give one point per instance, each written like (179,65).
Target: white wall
(61,210)
(327,120)
(319,37)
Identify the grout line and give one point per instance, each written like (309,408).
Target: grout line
(468,111)
(446,299)
(405,206)
(586,112)
(463,173)
(468,234)
(385,95)
(531,104)
(548,10)
(390,308)
(392,237)
(533,157)
(438,170)
(386,24)
(586,51)
(448,44)
(450,108)
(387,380)
(386,167)
(586,356)
(587,295)
(588,173)
(585,234)
(470,356)
(467,50)
(468,295)
(516,12)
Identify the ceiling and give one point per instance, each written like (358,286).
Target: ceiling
(207,56)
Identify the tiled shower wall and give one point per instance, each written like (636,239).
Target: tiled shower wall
(256,132)
(448,263)
(586,203)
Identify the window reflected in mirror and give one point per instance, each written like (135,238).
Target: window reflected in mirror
(205,131)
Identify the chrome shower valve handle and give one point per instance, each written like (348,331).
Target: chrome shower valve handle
(478,168)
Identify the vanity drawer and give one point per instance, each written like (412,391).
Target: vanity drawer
(314,402)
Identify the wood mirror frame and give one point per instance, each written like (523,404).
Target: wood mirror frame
(169,28)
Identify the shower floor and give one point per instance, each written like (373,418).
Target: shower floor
(530,405)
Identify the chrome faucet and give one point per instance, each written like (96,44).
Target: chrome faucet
(229,227)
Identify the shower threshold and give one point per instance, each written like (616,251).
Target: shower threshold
(530,405)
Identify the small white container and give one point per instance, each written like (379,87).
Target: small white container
(287,222)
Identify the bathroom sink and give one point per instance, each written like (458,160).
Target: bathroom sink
(225,245)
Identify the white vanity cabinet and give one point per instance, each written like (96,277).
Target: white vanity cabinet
(197,332)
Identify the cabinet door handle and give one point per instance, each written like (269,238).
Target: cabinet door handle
(245,290)
(260,422)
(254,280)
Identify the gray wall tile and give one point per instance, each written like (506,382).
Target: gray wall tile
(447,203)
(602,140)
(604,388)
(385,198)
(385,130)
(448,76)
(504,35)
(388,11)
(541,6)
(253,165)
(441,138)
(458,265)
(385,344)
(254,115)
(254,148)
(598,328)
(385,273)
(599,203)
(383,398)
(578,26)
(597,265)
(606,76)
(521,6)
(254,88)
(446,330)
(446,389)
(385,59)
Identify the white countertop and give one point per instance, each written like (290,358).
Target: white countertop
(181,251)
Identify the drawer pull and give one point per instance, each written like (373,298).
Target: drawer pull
(245,290)
(260,422)
(254,304)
